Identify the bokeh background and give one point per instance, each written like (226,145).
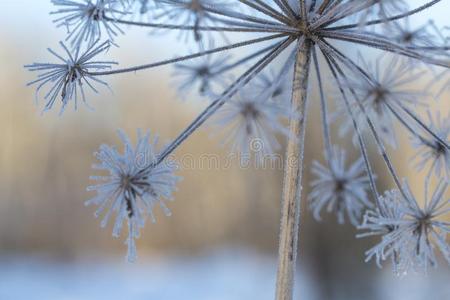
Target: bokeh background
(221,240)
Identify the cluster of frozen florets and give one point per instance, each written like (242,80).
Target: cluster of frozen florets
(248,93)
(411,232)
(135,184)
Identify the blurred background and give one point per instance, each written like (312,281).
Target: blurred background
(221,240)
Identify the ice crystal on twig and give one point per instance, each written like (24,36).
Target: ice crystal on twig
(135,184)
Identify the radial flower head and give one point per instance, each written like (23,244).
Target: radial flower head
(341,189)
(279,88)
(382,9)
(404,34)
(127,3)
(134,185)
(382,222)
(86,20)
(381,95)
(66,79)
(191,12)
(143,9)
(412,234)
(251,121)
(433,152)
(385,8)
(144,5)
(426,38)
(204,74)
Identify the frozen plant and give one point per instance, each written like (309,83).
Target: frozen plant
(410,233)
(250,121)
(135,184)
(387,91)
(306,39)
(379,222)
(194,12)
(340,189)
(279,89)
(86,20)
(432,150)
(66,78)
(202,74)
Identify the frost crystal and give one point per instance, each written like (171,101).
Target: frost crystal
(135,184)
(342,190)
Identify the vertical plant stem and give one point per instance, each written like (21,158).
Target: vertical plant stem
(292,186)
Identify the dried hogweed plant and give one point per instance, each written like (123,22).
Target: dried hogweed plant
(295,44)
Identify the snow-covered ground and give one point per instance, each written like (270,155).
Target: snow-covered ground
(223,275)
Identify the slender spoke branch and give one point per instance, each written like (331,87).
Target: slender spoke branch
(346,10)
(431,48)
(323,6)
(422,124)
(216,104)
(374,41)
(362,145)
(303,12)
(239,16)
(353,66)
(390,19)
(250,28)
(286,8)
(371,125)
(323,107)
(266,9)
(402,120)
(187,57)
(244,59)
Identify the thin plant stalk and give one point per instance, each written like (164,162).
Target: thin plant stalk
(292,186)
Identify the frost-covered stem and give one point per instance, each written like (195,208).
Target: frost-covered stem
(291,197)
(187,57)
(390,19)
(243,27)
